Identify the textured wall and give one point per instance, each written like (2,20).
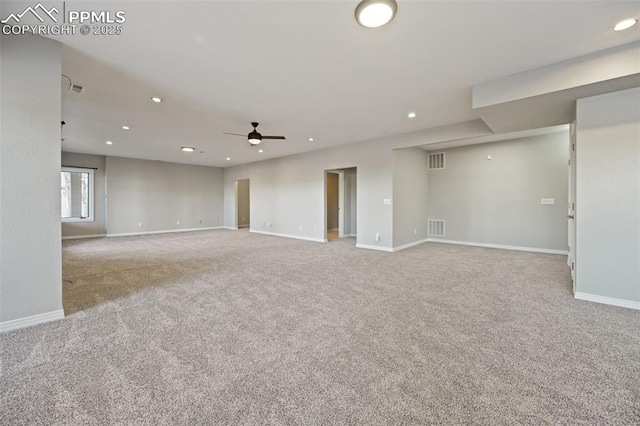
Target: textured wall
(608,195)
(30,254)
(158,195)
(497,201)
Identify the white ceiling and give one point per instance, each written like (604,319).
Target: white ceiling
(305,69)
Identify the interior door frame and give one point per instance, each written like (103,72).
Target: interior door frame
(571,208)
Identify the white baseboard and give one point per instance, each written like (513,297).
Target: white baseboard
(378,248)
(31,321)
(351,235)
(499,246)
(78,237)
(231,228)
(296,237)
(129,234)
(607,300)
(406,246)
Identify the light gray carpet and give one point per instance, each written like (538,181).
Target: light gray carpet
(224,327)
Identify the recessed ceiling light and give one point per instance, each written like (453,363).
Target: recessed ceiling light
(411,115)
(310,139)
(188,148)
(126,127)
(109,143)
(228,159)
(623,25)
(375,13)
(260,151)
(156,99)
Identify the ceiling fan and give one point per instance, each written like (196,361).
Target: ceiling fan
(254,137)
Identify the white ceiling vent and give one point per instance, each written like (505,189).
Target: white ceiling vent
(436,227)
(436,161)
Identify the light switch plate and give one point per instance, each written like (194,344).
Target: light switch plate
(547,201)
(387,201)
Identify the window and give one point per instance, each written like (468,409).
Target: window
(76,190)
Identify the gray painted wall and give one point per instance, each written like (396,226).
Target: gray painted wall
(289,192)
(608,195)
(244,201)
(497,201)
(158,194)
(30,255)
(410,177)
(98,226)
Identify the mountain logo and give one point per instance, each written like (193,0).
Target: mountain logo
(34,11)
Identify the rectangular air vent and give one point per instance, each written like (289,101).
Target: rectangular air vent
(436,161)
(436,227)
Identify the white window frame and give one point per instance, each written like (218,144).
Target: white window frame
(92,203)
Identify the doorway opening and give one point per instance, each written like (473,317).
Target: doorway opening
(340,204)
(243,207)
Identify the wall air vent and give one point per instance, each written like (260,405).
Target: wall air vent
(436,227)
(436,161)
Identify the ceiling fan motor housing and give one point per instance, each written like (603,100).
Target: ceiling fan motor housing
(254,138)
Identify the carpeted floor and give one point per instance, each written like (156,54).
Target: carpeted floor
(227,327)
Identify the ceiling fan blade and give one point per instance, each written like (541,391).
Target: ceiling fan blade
(274,137)
(234,134)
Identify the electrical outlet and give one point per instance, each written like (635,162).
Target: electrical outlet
(177,222)
(139,224)
(377,236)
(415,232)
(300,227)
(315,229)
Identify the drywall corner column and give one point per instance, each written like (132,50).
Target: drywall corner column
(608,198)
(410,173)
(30,231)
